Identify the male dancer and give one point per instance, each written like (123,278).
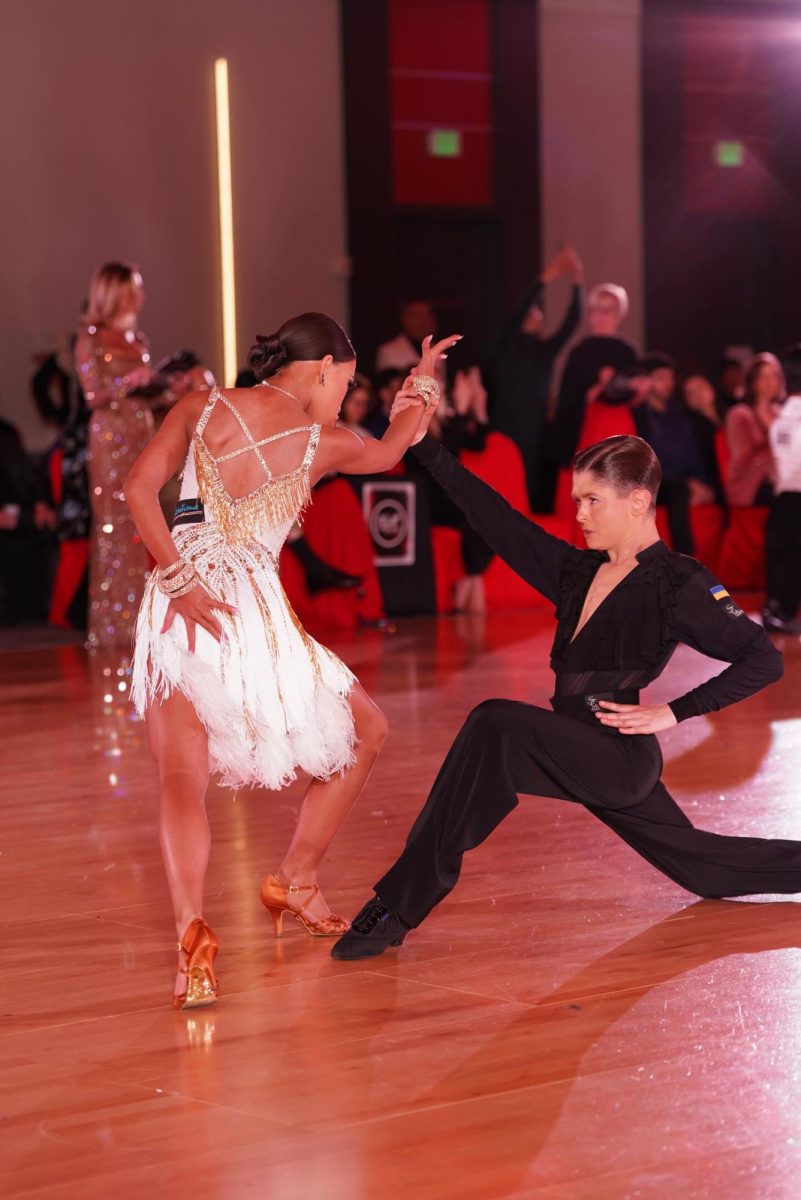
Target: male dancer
(622,606)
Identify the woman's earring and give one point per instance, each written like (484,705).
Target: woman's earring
(322,380)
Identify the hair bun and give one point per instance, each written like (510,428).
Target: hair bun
(267,356)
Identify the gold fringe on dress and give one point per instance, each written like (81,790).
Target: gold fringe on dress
(280,499)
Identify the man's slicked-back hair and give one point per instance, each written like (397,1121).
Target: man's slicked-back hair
(625,461)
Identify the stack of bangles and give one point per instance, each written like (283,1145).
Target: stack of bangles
(427,389)
(177,579)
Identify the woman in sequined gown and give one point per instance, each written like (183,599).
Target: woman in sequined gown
(228,680)
(113,360)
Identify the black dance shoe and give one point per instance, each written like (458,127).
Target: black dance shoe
(372,931)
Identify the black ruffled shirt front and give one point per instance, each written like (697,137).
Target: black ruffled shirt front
(629,639)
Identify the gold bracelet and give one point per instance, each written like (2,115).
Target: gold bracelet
(177,580)
(185,590)
(173,568)
(427,389)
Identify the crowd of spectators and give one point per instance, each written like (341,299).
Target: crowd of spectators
(728,440)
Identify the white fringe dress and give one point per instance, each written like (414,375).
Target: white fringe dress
(272,699)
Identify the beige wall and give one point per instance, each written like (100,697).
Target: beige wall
(591,154)
(107,151)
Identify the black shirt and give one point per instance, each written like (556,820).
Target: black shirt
(629,639)
(521,372)
(671,435)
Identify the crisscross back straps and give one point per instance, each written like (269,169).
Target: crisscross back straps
(207,411)
(252,444)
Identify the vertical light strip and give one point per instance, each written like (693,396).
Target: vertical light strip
(225,192)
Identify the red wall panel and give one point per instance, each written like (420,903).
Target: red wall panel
(440,78)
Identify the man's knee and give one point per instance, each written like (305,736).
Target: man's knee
(496,716)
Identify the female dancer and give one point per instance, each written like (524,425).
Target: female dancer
(622,605)
(237,687)
(113,361)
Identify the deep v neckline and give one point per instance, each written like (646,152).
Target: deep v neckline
(577,632)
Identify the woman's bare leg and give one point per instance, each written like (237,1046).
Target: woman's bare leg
(179,745)
(326,805)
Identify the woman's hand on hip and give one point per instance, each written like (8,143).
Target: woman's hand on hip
(197,607)
(636,718)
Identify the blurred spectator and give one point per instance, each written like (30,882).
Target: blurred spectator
(664,423)
(747,424)
(522,369)
(27,541)
(387,385)
(462,425)
(119,384)
(730,384)
(783,531)
(359,406)
(55,389)
(607,307)
(702,406)
(60,401)
(417,321)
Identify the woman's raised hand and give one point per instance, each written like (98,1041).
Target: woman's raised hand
(407,397)
(433,352)
(197,607)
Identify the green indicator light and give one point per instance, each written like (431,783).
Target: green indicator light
(729,154)
(444,143)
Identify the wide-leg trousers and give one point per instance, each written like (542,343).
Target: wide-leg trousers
(506,748)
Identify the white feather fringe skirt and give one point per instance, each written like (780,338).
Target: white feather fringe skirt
(272,699)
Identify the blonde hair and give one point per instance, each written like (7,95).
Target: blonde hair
(107,292)
(617,293)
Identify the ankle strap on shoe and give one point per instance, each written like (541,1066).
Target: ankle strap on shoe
(308,887)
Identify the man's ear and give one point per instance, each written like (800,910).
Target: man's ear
(641,500)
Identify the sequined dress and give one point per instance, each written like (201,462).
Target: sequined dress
(272,699)
(120,428)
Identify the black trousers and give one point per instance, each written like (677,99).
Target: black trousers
(783,553)
(505,748)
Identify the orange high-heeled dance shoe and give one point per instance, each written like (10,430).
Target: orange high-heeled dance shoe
(200,946)
(275,898)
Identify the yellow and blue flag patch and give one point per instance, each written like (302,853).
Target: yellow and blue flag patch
(718,592)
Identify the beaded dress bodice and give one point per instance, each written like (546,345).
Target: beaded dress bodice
(264,515)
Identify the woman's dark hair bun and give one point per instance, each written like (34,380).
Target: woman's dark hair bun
(306,338)
(267,356)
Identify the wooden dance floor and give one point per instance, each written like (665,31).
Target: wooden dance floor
(569,1025)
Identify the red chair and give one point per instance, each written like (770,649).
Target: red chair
(73,556)
(707,527)
(741,562)
(600,422)
(335,529)
(446,548)
(73,562)
(742,555)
